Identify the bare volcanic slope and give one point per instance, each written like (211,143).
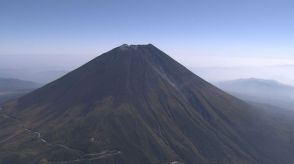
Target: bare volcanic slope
(135,104)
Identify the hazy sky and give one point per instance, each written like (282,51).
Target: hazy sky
(201,34)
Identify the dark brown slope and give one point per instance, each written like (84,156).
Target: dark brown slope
(135,104)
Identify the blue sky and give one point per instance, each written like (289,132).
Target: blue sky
(200,33)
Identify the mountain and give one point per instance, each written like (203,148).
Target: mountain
(135,104)
(12,88)
(261,91)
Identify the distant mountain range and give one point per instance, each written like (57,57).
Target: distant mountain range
(42,77)
(12,88)
(136,105)
(261,91)
(15,85)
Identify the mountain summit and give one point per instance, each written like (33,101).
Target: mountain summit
(124,74)
(135,104)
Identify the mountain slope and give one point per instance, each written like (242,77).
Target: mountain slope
(261,91)
(135,104)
